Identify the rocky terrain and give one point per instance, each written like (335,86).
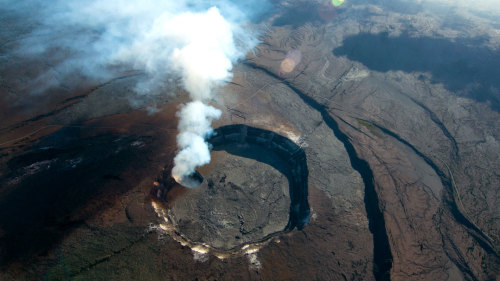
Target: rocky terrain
(395,106)
(242,201)
(249,197)
(371,80)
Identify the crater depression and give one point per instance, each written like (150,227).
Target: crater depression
(255,187)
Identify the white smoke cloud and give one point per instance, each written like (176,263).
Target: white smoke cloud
(207,51)
(95,38)
(196,41)
(195,120)
(205,59)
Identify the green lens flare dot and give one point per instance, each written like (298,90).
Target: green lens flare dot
(337,3)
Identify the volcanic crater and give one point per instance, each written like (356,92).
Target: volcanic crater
(254,188)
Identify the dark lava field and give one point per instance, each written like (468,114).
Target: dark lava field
(358,140)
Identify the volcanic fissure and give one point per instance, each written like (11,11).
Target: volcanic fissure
(381,251)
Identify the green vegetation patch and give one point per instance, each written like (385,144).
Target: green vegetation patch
(371,127)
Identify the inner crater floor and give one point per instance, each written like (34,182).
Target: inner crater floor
(241,200)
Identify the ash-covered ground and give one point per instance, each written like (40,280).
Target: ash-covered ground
(394,103)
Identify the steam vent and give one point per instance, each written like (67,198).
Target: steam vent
(255,186)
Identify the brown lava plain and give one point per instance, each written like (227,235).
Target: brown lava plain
(401,157)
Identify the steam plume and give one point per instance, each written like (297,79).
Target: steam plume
(193,40)
(194,125)
(204,61)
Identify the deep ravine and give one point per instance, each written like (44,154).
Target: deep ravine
(382,256)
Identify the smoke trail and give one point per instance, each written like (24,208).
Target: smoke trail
(191,40)
(194,124)
(205,60)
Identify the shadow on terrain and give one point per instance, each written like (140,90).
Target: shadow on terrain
(465,67)
(298,15)
(64,179)
(259,144)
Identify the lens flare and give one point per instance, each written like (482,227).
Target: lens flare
(287,65)
(337,3)
(292,59)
